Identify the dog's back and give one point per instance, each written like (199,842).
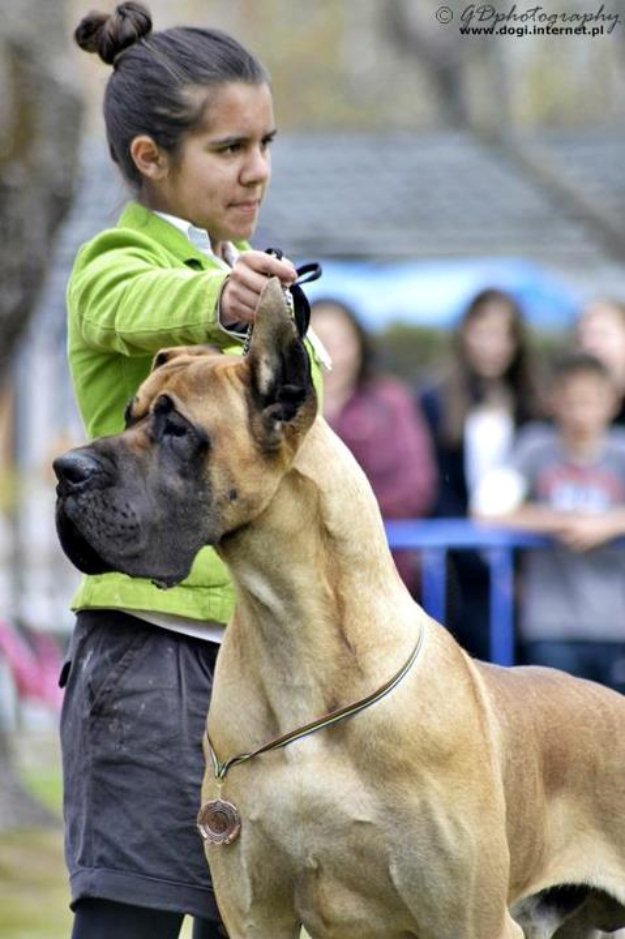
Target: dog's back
(562,751)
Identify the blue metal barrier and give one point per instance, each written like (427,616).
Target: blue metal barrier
(433,538)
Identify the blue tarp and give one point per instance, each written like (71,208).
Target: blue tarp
(434,293)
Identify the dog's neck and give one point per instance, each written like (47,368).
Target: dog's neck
(315,582)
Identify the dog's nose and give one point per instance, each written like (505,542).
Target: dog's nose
(76,467)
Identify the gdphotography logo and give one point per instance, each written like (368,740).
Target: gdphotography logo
(486,19)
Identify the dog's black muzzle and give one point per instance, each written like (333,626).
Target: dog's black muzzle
(79,473)
(109,517)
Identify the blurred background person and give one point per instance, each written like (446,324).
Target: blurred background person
(474,408)
(600,330)
(568,481)
(376,416)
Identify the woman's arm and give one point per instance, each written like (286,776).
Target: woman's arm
(128,298)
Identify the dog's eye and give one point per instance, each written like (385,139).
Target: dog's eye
(167,422)
(174,427)
(173,430)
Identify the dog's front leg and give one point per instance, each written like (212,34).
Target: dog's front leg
(262,921)
(260,926)
(254,893)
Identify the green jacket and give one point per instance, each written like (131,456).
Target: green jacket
(135,289)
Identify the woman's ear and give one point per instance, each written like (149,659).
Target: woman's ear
(150,160)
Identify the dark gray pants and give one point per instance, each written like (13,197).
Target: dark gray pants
(131,730)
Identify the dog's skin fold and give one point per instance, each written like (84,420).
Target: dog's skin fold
(471,803)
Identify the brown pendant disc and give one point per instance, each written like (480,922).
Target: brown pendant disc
(219,822)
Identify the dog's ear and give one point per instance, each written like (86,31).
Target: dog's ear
(281,381)
(166,355)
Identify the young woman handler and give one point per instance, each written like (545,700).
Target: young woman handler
(189,120)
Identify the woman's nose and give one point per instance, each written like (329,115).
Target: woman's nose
(257,167)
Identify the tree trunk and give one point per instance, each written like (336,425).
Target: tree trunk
(39,135)
(39,132)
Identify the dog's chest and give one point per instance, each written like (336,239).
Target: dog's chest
(318,811)
(309,793)
(334,835)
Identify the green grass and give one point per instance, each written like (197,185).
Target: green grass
(46,786)
(33,886)
(33,881)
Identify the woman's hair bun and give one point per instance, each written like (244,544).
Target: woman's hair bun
(109,35)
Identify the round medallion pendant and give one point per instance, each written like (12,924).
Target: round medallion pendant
(219,822)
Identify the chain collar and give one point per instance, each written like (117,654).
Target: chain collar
(351,710)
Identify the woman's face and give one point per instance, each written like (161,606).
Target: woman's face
(601,332)
(488,340)
(218,178)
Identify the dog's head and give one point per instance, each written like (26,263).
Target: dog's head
(208,438)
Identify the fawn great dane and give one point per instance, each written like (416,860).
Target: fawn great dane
(402,789)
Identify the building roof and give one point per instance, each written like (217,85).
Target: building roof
(557,200)
(447,195)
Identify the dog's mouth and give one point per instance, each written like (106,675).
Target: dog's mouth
(125,557)
(109,519)
(78,549)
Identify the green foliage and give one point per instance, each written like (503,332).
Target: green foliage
(412,353)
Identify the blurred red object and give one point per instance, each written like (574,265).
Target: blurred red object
(35,664)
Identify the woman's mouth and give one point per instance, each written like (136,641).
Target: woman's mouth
(246,208)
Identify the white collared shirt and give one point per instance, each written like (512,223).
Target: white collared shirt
(200,239)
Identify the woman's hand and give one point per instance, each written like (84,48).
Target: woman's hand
(244,286)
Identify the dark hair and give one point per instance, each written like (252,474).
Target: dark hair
(154,74)
(463,388)
(366,367)
(572,364)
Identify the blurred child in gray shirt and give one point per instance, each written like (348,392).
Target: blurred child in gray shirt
(568,481)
